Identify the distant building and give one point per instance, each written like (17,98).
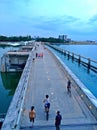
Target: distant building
(63,37)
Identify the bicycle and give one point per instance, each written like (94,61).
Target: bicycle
(47,113)
(47,106)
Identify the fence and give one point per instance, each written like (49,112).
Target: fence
(83,92)
(87,62)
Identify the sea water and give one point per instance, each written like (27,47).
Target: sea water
(89,51)
(8,83)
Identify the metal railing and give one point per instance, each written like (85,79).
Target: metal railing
(87,62)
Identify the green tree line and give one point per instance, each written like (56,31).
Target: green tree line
(28,38)
(50,39)
(15,38)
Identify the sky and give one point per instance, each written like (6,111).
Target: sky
(49,18)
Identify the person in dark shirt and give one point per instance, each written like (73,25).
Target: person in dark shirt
(58,119)
(69,87)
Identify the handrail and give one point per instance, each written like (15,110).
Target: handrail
(87,62)
(24,92)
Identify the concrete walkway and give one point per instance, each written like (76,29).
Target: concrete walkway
(48,78)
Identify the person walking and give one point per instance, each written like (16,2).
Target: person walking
(32,115)
(69,87)
(58,119)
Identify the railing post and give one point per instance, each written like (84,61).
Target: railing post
(72,57)
(68,55)
(89,65)
(64,53)
(79,60)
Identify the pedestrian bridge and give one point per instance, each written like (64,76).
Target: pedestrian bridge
(46,75)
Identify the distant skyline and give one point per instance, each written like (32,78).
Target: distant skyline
(49,18)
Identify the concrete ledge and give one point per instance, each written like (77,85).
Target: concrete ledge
(89,99)
(15,110)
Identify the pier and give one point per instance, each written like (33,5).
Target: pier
(46,75)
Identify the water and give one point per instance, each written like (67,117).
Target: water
(88,79)
(4,49)
(8,83)
(88,51)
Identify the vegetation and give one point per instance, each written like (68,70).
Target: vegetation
(50,39)
(15,38)
(28,38)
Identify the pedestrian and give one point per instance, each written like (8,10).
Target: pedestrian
(33,59)
(36,54)
(46,101)
(32,115)
(58,119)
(69,87)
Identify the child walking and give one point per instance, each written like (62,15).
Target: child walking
(32,115)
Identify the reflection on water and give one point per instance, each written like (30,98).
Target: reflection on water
(8,84)
(10,81)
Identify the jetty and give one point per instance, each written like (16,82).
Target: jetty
(44,74)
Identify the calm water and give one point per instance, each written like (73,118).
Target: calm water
(89,51)
(8,84)
(88,79)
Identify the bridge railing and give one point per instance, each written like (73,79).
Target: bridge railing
(87,62)
(13,115)
(84,93)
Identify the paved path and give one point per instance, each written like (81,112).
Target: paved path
(47,78)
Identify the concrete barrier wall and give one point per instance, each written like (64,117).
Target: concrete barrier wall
(13,115)
(84,93)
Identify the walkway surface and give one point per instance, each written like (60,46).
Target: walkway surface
(48,78)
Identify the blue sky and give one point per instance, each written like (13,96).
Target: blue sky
(49,18)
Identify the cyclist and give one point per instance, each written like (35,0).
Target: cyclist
(46,102)
(46,105)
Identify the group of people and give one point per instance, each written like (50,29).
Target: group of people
(58,118)
(39,54)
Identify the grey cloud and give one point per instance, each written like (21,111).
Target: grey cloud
(93,19)
(55,23)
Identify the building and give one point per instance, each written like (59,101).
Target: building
(63,37)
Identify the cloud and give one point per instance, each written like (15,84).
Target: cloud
(60,25)
(48,18)
(93,19)
(55,23)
